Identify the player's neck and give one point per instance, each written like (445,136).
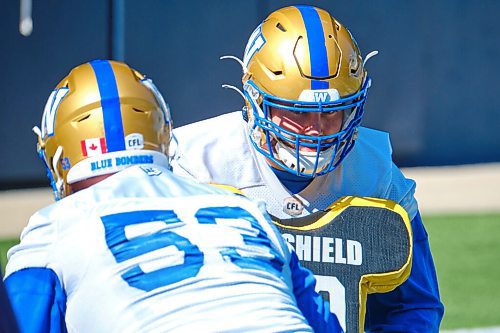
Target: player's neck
(293,183)
(83,184)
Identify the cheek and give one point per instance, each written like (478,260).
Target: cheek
(333,123)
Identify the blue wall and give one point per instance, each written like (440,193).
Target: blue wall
(434,80)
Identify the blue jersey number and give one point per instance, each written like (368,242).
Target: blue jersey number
(125,249)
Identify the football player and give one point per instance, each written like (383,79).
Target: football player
(130,247)
(299,146)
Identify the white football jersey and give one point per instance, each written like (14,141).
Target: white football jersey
(217,150)
(146,251)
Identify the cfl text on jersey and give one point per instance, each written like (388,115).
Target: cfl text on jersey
(326,249)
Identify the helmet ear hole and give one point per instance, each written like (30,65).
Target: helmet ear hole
(281,27)
(138,110)
(82,118)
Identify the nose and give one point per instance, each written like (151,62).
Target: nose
(313,124)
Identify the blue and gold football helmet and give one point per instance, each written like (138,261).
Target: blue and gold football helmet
(301,59)
(101,118)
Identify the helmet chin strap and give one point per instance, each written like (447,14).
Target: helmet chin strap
(58,183)
(243,67)
(306,159)
(368,56)
(228,86)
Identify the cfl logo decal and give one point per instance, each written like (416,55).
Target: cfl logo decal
(134,141)
(292,206)
(49,112)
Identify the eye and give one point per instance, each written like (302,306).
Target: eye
(329,113)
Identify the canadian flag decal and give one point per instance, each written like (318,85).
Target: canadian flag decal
(93,147)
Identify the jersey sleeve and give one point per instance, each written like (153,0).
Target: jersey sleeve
(402,190)
(38,300)
(36,243)
(311,304)
(34,289)
(414,306)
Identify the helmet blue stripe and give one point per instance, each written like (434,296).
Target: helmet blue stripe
(110,102)
(317,47)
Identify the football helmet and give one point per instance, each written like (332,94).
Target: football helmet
(101,118)
(301,59)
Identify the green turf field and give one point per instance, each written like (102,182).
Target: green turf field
(5,245)
(466,251)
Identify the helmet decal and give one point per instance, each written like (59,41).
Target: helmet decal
(254,44)
(319,95)
(317,47)
(49,113)
(134,141)
(110,102)
(93,146)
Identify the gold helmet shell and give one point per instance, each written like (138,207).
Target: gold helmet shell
(101,118)
(301,59)
(303,48)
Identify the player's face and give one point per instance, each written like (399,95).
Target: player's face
(308,123)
